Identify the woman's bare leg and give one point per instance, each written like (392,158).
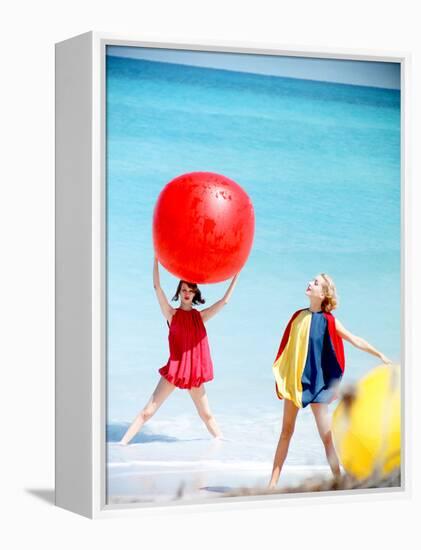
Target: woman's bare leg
(200,399)
(162,391)
(321,415)
(288,425)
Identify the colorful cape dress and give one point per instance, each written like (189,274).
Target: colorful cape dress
(190,363)
(310,360)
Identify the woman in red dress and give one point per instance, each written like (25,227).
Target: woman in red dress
(189,365)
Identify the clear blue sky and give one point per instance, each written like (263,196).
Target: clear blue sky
(363,73)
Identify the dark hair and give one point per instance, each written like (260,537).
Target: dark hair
(197,298)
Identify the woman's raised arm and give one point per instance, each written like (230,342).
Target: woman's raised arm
(217,306)
(359,342)
(166,309)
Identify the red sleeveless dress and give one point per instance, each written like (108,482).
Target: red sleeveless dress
(190,363)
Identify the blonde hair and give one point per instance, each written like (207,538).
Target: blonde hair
(330,300)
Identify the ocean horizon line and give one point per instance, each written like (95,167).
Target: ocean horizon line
(259,74)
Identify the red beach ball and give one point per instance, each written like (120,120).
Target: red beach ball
(203,227)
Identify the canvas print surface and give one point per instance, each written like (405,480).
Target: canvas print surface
(269,187)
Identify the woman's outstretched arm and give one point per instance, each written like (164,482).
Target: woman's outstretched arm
(217,306)
(166,309)
(359,342)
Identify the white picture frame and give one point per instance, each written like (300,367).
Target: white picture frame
(81,278)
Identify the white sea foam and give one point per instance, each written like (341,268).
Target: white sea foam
(159,470)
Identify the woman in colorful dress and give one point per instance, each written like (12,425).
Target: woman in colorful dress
(309,366)
(189,365)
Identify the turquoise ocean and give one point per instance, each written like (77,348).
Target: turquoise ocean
(321,163)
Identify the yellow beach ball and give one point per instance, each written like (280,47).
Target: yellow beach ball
(366,425)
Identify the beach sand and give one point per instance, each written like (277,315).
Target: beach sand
(196,469)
